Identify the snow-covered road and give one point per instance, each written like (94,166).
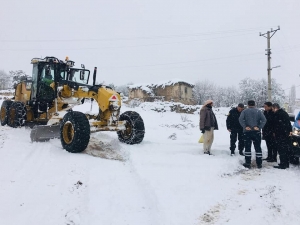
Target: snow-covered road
(162,181)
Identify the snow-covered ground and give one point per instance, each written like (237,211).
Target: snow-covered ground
(165,180)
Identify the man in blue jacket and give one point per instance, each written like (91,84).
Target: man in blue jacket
(252,120)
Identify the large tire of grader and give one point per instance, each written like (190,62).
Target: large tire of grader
(4,112)
(17,114)
(135,129)
(75,132)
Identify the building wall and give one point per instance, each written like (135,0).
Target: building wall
(177,93)
(137,93)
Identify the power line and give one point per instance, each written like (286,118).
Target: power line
(137,38)
(183,62)
(290,48)
(129,46)
(291,87)
(179,66)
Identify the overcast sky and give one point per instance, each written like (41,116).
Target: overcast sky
(151,40)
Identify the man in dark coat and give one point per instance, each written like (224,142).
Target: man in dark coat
(207,124)
(268,133)
(282,130)
(252,121)
(236,130)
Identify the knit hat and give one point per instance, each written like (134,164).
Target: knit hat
(276,105)
(251,103)
(268,104)
(241,105)
(208,102)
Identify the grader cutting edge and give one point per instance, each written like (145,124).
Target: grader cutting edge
(45,104)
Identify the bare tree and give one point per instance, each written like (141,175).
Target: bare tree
(17,76)
(203,90)
(230,96)
(5,80)
(256,90)
(123,89)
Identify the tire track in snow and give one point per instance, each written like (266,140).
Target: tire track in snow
(255,200)
(148,194)
(42,178)
(130,199)
(76,194)
(3,135)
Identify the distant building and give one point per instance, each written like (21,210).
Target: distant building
(297,103)
(173,90)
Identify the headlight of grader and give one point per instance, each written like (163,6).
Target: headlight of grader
(296,131)
(113,105)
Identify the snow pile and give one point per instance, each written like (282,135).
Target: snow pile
(6,94)
(160,106)
(9,91)
(106,148)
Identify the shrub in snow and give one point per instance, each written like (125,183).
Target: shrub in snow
(185,118)
(134,103)
(173,136)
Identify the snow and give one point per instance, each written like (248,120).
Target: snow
(7,91)
(165,180)
(162,84)
(171,82)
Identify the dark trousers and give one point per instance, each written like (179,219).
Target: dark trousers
(255,137)
(271,146)
(234,136)
(283,145)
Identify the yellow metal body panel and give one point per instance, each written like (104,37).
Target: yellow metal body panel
(22,93)
(29,114)
(104,95)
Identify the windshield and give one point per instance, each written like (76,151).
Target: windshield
(47,73)
(34,81)
(79,76)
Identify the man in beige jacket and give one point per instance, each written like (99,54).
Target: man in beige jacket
(208,123)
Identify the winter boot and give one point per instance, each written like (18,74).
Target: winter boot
(232,153)
(266,159)
(247,165)
(294,160)
(241,152)
(259,166)
(284,162)
(272,160)
(280,166)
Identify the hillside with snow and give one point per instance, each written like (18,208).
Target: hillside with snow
(165,180)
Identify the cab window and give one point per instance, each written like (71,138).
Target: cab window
(79,76)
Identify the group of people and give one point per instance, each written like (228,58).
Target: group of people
(248,126)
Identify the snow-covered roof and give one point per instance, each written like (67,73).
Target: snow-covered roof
(144,87)
(172,82)
(162,84)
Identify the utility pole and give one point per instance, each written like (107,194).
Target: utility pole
(269,36)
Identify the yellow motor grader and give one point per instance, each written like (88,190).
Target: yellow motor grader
(45,104)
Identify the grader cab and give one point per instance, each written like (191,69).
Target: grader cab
(45,104)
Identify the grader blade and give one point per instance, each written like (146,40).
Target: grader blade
(42,133)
